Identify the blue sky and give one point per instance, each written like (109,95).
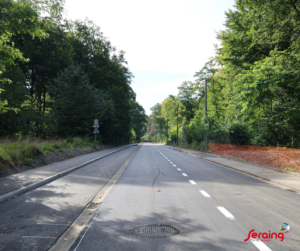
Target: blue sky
(166,41)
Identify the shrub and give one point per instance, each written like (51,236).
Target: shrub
(239,134)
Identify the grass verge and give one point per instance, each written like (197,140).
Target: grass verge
(202,147)
(22,152)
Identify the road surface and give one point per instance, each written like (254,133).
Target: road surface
(212,207)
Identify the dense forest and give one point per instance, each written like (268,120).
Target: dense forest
(253,92)
(58,75)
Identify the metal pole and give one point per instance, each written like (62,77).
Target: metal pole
(167,131)
(95,137)
(205,111)
(177,125)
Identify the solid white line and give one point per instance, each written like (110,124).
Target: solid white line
(178,169)
(260,245)
(204,193)
(193,182)
(226,213)
(184,174)
(174,165)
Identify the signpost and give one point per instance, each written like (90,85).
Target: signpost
(96,125)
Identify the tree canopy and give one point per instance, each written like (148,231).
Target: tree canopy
(58,75)
(253,81)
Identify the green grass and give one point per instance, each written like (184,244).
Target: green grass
(20,152)
(290,169)
(194,146)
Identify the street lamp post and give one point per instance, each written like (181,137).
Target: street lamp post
(177,125)
(205,106)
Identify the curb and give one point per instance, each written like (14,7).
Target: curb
(87,216)
(25,189)
(248,173)
(241,171)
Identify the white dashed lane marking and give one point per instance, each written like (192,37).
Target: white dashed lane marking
(226,213)
(257,243)
(260,245)
(205,193)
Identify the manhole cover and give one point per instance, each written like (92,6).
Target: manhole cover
(154,231)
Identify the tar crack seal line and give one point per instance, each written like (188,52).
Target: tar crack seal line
(153,184)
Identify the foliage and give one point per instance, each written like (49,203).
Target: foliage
(76,102)
(58,75)
(19,152)
(253,90)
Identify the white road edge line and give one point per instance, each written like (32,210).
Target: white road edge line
(205,194)
(184,174)
(192,182)
(260,245)
(226,213)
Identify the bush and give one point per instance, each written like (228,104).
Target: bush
(239,134)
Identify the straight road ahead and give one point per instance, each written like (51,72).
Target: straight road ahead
(213,208)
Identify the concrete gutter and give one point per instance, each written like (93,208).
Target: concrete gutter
(25,189)
(74,231)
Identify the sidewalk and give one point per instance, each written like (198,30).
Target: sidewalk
(286,179)
(37,175)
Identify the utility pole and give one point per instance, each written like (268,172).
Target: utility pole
(162,132)
(205,111)
(167,131)
(177,125)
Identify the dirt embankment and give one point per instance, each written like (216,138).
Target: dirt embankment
(53,156)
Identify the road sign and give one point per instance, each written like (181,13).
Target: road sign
(96,123)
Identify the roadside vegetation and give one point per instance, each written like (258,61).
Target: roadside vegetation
(253,84)
(22,152)
(58,75)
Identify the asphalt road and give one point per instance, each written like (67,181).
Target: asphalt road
(213,207)
(35,220)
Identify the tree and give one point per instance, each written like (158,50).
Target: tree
(16,18)
(76,103)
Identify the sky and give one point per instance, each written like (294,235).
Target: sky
(166,41)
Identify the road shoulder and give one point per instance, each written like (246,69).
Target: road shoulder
(286,180)
(15,185)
